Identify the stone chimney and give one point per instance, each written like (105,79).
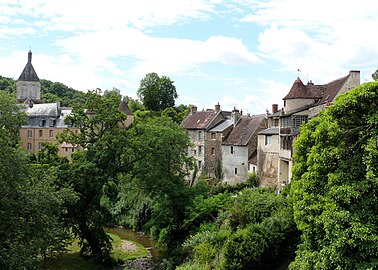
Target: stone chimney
(193,109)
(274,108)
(235,116)
(217,107)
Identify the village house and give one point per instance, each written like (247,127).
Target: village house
(300,104)
(205,146)
(239,148)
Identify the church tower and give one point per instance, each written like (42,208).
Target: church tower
(28,84)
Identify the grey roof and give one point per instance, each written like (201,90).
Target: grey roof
(222,126)
(270,131)
(29,74)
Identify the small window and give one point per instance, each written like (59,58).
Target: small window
(268,139)
(51,122)
(200,150)
(73,149)
(40,133)
(232,150)
(212,151)
(42,122)
(65,149)
(213,135)
(199,165)
(199,135)
(29,146)
(236,170)
(39,146)
(51,133)
(254,169)
(194,152)
(30,133)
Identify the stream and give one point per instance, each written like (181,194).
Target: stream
(150,263)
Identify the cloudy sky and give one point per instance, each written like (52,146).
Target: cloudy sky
(242,53)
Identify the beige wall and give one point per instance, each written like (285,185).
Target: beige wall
(292,104)
(267,161)
(39,135)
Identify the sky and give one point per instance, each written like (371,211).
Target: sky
(238,53)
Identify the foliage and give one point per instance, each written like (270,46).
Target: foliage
(59,92)
(8,85)
(375,75)
(157,93)
(334,185)
(248,229)
(28,229)
(49,155)
(253,180)
(93,173)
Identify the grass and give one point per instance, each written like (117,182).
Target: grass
(72,260)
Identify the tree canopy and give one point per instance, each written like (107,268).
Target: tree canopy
(335,184)
(157,93)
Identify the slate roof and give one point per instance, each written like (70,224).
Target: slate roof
(242,133)
(29,74)
(270,131)
(222,126)
(200,119)
(325,92)
(123,107)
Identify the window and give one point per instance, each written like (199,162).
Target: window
(199,165)
(212,151)
(236,170)
(199,135)
(30,133)
(298,120)
(286,143)
(213,135)
(42,122)
(65,149)
(232,149)
(51,122)
(73,149)
(51,133)
(39,146)
(29,146)
(200,150)
(194,152)
(268,139)
(40,133)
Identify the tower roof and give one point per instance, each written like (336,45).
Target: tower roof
(299,90)
(29,74)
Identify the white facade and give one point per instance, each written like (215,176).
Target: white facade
(234,164)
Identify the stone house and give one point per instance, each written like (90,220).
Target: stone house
(239,147)
(300,104)
(205,146)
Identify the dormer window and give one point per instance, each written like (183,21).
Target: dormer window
(52,122)
(42,122)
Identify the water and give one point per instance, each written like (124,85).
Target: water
(157,253)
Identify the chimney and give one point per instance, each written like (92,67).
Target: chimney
(235,116)
(193,109)
(274,108)
(217,107)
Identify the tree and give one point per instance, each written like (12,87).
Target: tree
(157,93)
(29,230)
(93,173)
(335,184)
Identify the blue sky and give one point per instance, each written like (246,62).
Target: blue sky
(242,53)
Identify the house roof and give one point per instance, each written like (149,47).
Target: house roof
(123,107)
(44,109)
(299,90)
(29,74)
(200,119)
(242,133)
(270,131)
(325,92)
(222,126)
(252,159)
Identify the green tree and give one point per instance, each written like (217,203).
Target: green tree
(375,75)
(334,186)
(93,173)
(29,230)
(157,93)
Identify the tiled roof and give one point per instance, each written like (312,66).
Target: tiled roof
(199,119)
(299,90)
(244,130)
(29,74)
(325,92)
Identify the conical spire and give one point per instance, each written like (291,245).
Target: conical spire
(29,74)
